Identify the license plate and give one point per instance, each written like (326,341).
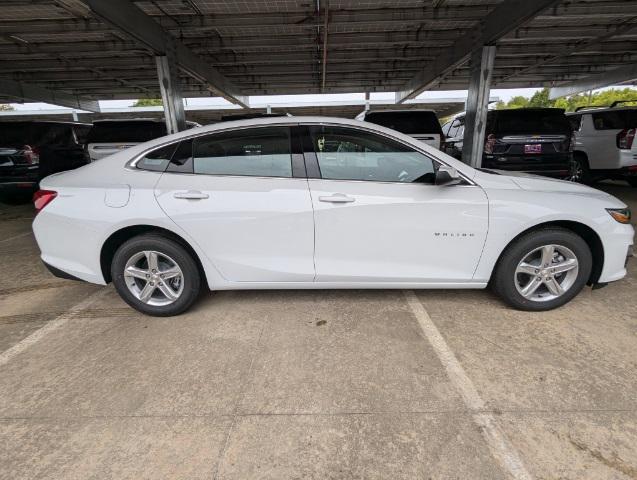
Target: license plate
(533,148)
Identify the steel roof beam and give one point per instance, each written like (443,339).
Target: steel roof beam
(34,93)
(611,77)
(507,16)
(128,18)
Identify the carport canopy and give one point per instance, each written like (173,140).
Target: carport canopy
(74,52)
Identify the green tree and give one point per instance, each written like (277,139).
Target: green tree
(541,99)
(148,102)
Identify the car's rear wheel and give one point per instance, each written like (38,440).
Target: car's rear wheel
(579,171)
(155,275)
(632,181)
(543,269)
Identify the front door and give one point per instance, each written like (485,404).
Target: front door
(380,218)
(235,193)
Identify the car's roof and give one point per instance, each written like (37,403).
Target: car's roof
(601,109)
(105,120)
(48,122)
(406,110)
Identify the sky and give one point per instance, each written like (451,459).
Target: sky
(502,94)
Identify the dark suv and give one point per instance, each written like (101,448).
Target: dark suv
(31,150)
(533,140)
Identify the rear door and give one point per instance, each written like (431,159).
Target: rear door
(380,219)
(243,197)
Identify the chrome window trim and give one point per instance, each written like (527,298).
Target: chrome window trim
(131,164)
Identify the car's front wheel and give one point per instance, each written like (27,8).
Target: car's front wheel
(155,275)
(543,269)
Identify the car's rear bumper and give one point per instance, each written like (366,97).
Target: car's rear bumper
(557,165)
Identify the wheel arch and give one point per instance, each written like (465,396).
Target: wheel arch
(587,234)
(117,238)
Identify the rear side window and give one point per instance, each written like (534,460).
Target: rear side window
(259,152)
(81,132)
(51,134)
(125,131)
(15,134)
(616,120)
(157,160)
(407,122)
(531,121)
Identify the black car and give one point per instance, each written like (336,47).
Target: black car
(31,150)
(534,140)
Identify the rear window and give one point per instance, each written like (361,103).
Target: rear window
(134,131)
(17,134)
(408,123)
(615,120)
(531,121)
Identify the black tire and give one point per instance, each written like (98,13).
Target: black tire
(504,276)
(159,243)
(632,181)
(580,171)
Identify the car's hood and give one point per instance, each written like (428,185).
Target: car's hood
(536,183)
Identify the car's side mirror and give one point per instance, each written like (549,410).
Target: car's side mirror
(446,175)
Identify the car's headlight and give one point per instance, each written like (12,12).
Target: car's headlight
(622,215)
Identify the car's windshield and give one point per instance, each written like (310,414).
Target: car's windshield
(125,131)
(406,122)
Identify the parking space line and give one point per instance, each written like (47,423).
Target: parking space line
(500,447)
(49,327)
(16,236)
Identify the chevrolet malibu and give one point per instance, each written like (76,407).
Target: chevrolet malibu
(312,202)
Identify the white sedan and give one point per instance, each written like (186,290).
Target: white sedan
(312,202)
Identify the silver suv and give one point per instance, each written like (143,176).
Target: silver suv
(605,145)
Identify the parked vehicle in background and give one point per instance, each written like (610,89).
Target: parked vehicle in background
(315,202)
(31,150)
(605,145)
(110,136)
(533,140)
(420,124)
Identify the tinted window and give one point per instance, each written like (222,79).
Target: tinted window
(406,122)
(575,121)
(260,152)
(615,120)
(157,160)
(15,134)
(125,131)
(351,154)
(523,121)
(81,132)
(51,134)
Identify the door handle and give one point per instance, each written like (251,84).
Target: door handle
(191,195)
(337,198)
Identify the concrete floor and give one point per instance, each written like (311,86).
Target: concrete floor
(309,385)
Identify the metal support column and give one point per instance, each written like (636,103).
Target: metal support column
(170,94)
(481,66)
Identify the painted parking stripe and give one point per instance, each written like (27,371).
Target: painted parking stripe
(49,327)
(500,447)
(15,236)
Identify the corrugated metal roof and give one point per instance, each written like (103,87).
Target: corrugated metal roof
(276,47)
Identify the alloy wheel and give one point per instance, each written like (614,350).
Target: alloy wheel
(546,273)
(154,278)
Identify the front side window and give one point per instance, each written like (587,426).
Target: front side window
(352,154)
(260,152)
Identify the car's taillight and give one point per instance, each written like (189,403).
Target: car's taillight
(571,146)
(489,144)
(31,154)
(42,198)
(625,138)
